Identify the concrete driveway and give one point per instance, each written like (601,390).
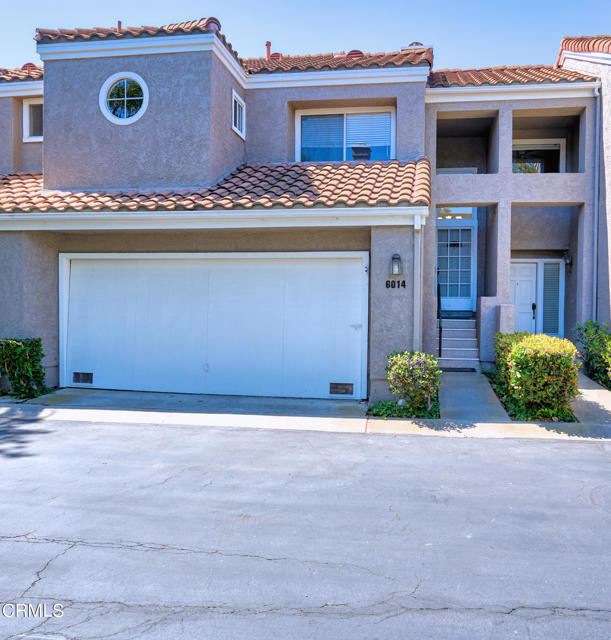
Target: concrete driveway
(185,532)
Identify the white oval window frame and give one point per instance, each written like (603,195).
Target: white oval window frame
(105,90)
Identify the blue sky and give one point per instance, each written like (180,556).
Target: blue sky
(465,33)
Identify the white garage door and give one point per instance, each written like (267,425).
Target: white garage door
(292,325)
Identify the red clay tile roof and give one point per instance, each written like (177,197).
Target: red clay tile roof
(537,74)
(350,60)
(29,71)
(587,44)
(249,186)
(202,25)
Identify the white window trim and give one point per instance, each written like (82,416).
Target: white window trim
(345,110)
(105,88)
(235,97)
(456,170)
(561,293)
(27,102)
(543,143)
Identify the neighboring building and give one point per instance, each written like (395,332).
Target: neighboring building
(192,221)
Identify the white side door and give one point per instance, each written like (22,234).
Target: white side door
(524,295)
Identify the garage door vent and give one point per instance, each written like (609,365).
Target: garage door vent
(341,388)
(82,378)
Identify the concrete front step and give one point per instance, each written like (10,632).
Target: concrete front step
(459,363)
(459,343)
(455,323)
(457,333)
(471,354)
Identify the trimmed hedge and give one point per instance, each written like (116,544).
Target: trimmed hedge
(414,377)
(20,362)
(543,376)
(503,344)
(595,343)
(536,376)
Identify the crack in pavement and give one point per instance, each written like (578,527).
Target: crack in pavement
(44,568)
(147,547)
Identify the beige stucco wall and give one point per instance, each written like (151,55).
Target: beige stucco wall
(271,119)
(391,311)
(168,146)
(6,135)
(502,192)
(29,264)
(604,210)
(16,155)
(227,148)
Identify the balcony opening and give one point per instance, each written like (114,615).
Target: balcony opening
(467,142)
(547,141)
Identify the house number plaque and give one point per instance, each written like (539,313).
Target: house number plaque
(395,284)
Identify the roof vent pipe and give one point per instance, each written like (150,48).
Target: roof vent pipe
(268,49)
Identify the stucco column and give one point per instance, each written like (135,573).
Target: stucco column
(505,139)
(503,251)
(391,309)
(584,263)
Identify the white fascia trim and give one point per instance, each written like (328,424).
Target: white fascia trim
(372,75)
(211,42)
(512,92)
(16,88)
(232,219)
(143,46)
(595,57)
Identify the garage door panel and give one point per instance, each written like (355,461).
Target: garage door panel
(171,317)
(94,345)
(273,326)
(245,328)
(322,337)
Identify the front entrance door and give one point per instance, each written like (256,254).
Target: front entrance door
(537,291)
(457,258)
(524,295)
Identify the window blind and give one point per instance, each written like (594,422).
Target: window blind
(322,137)
(368,129)
(551,300)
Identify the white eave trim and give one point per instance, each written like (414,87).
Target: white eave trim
(217,219)
(15,88)
(144,45)
(369,75)
(484,93)
(593,57)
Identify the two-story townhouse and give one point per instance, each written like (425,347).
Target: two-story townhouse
(193,221)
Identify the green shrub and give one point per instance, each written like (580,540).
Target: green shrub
(414,377)
(20,362)
(390,409)
(543,377)
(503,344)
(595,346)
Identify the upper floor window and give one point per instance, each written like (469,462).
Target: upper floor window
(32,120)
(238,115)
(362,133)
(123,98)
(539,156)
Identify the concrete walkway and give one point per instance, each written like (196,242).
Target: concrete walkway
(593,403)
(468,397)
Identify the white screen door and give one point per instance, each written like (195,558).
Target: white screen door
(457,257)
(524,295)
(538,282)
